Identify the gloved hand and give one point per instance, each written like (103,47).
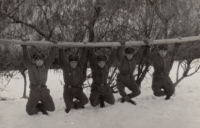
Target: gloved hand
(177,44)
(23,45)
(132,102)
(146,41)
(123,99)
(122,44)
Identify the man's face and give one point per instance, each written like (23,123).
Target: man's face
(162,53)
(39,62)
(73,64)
(129,56)
(101,64)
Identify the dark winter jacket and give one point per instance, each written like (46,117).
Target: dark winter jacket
(126,67)
(162,65)
(100,75)
(74,77)
(38,75)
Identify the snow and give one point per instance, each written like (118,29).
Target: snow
(182,111)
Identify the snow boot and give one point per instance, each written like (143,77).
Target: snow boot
(102,104)
(167,95)
(167,98)
(40,108)
(76,106)
(67,110)
(122,100)
(132,102)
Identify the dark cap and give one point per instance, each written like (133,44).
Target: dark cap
(38,56)
(73,58)
(101,58)
(162,47)
(129,50)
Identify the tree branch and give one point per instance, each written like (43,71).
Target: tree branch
(28,25)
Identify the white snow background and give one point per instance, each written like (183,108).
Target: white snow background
(182,111)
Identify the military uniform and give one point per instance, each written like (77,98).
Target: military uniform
(162,83)
(38,88)
(74,79)
(125,77)
(99,85)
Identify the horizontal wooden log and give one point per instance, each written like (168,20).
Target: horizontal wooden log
(100,44)
(166,41)
(62,44)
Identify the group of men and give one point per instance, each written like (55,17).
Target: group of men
(74,74)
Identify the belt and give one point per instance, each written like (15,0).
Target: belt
(71,86)
(41,86)
(37,86)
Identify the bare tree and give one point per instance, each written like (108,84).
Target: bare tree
(101,20)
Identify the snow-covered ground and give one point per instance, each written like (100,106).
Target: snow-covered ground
(182,111)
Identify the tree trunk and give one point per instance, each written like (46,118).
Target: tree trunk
(143,68)
(166,29)
(25,83)
(185,73)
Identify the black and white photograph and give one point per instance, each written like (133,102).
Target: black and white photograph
(99,63)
